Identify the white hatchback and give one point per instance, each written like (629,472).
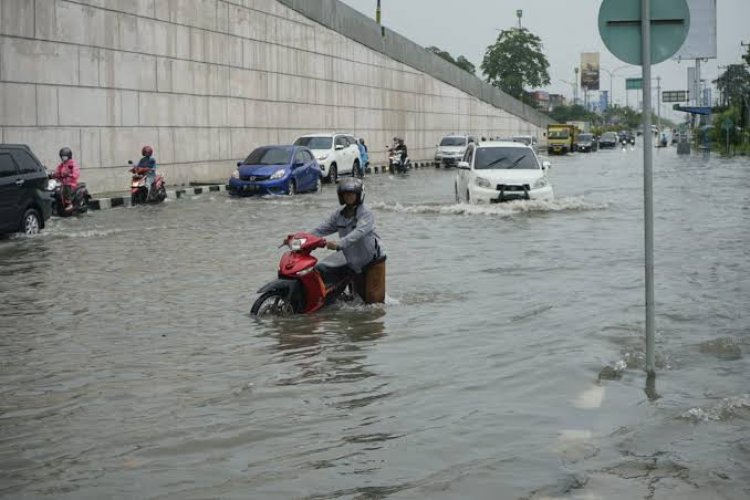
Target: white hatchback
(492,172)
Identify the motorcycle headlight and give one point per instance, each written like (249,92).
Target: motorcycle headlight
(236,174)
(51,185)
(482,182)
(540,183)
(296,244)
(278,174)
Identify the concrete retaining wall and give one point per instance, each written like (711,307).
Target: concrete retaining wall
(205,81)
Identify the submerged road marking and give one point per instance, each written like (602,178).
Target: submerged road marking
(591,397)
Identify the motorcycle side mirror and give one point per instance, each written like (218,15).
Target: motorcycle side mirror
(130,162)
(546,165)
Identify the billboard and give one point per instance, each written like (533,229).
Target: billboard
(701,38)
(590,70)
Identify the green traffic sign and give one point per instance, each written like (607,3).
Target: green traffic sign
(633,83)
(727,124)
(620,28)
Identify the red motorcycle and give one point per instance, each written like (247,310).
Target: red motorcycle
(303,285)
(139,191)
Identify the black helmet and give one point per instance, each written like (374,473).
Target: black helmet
(66,152)
(351,185)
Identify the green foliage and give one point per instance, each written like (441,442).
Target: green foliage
(461,61)
(563,114)
(719,135)
(734,84)
(516,62)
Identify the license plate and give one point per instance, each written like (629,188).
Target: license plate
(251,188)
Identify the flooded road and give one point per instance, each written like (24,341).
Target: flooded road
(130,367)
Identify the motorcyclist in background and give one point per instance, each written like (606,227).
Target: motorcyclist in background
(401,150)
(67,173)
(148,162)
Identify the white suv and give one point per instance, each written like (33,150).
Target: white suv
(451,150)
(336,153)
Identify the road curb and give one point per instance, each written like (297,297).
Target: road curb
(175,194)
(382,169)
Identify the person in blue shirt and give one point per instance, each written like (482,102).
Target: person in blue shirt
(364,158)
(149,162)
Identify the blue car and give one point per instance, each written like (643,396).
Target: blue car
(276,170)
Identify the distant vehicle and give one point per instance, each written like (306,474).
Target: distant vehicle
(25,201)
(529,140)
(276,170)
(561,139)
(336,153)
(451,149)
(493,172)
(586,143)
(608,140)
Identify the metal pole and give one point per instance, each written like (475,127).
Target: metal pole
(648,193)
(377,13)
(658,105)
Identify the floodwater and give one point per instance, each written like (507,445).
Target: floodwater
(131,368)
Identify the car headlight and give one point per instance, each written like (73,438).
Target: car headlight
(278,174)
(540,183)
(482,182)
(236,174)
(323,156)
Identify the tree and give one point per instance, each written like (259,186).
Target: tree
(515,61)
(461,61)
(734,84)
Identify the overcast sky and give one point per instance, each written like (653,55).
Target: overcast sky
(566,27)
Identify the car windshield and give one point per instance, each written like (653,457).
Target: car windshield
(453,141)
(505,157)
(585,137)
(559,134)
(314,142)
(609,136)
(269,156)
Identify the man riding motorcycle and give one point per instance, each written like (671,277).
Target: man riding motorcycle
(359,243)
(67,173)
(149,162)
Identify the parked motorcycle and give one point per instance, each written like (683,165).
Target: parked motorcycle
(79,200)
(139,191)
(303,286)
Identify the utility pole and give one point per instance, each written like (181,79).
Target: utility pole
(519,15)
(658,100)
(377,13)
(575,88)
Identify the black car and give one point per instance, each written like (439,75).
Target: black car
(608,140)
(25,203)
(586,143)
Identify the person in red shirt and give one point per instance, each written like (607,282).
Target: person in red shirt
(67,173)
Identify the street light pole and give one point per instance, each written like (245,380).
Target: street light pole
(575,88)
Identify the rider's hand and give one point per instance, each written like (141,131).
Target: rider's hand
(332,245)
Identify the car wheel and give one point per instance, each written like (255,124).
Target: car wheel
(458,200)
(333,175)
(318,185)
(31,222)
(291,189)
(468,197)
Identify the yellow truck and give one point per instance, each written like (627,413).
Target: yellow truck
(561,139)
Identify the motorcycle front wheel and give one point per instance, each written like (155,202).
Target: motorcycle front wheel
(273,303)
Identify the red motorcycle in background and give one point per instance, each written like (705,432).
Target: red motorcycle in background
(139,191)
(303,286)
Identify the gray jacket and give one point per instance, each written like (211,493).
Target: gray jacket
(358,240)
